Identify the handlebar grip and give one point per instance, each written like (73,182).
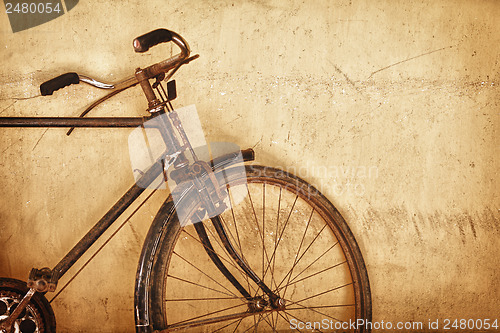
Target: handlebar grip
(144,42)
(47,88)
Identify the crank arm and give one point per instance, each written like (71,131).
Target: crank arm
(7,325)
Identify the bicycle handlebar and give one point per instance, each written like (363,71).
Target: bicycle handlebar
(64,80)
(169,63)
(141,44)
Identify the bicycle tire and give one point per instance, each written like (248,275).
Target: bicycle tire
(181,262)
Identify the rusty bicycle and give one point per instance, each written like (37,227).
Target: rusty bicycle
(235,247)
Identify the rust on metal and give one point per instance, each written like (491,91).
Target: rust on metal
(71,122)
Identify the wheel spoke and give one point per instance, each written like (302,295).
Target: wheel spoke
(273,256)
(245,276)
(230,262)
(276,238)
(288,320)
(186,323)
(203,273)
(261,232)
(323,306)
(285,317)
(231,200)
(266,319)
(203,299)
(263,224)
(229,259)
(227,325)
(324,292)
(313,309)
(331,247)
(201,286)
(314,274)
(256,323)
(281,234)
(234,222)
(305,251)
(239,322)
(296,260)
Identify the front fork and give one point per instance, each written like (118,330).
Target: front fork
(255,304)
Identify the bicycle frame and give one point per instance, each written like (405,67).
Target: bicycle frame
(100,122)
(127,199)
(83,245)
(46,279)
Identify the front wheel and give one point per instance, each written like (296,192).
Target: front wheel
(290,236)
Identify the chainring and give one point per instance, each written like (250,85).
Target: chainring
(29,321)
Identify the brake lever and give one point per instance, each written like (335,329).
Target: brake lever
(188,60)
(159,78)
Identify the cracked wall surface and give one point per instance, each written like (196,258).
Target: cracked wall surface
(390,108)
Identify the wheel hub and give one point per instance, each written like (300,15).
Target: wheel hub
(279,303)
(260,304)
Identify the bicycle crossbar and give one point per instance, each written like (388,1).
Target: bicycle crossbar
(104,122)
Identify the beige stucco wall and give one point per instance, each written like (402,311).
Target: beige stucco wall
(389,107)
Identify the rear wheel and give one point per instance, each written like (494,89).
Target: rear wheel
(291,237)
(38,316)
